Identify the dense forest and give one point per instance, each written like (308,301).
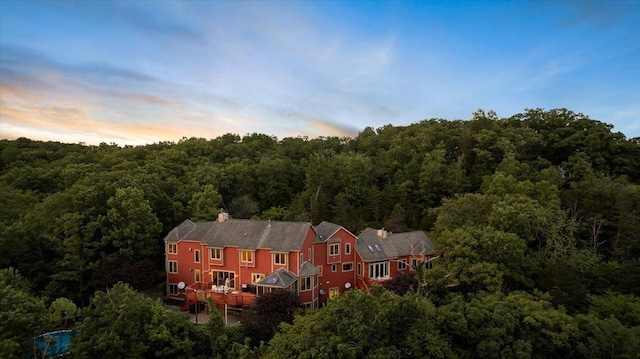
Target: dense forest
(536,219)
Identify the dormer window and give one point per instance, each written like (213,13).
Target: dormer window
(334,249)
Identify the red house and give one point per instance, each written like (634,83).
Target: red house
(382,255)
(334,251)
(232,260)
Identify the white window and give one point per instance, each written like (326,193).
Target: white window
(280,258)
(402,264)
(220,277)
(309,253)
(196,275)
(414,262)
(256,277)
(215,253)
(320,270)
(301,259)
(429,265)
(334,249)
(305,284)
(347,248)
(379,270)
(334,267)
(359,269)
(247,256)
(347,267)
(173,289)
(196,256)
(173,267)
(172,248)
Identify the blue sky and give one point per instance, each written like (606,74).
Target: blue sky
(138,72)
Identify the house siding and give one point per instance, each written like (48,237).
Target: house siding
(290,239)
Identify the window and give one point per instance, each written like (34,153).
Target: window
(172,248)
(347,248)
(347,267)
(307,306)
(429,265)
(320,270)
(334,249)
(215,253)
(173,267)
(196,275)
(256,277)
(173,289)
(196,256)
(334,267)
(402,264)
(414,262)
(280,258)
(301,259)
(305,284)
(309,253)
(359,269)
(379,270)
(220,277)
(247,256)
(334,292)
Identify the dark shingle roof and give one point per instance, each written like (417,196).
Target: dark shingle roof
(278,236)
(324,231)
(180,231)
(371,247)
(307,270)
(281,278)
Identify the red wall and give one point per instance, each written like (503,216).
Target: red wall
(339,278)
(263,263)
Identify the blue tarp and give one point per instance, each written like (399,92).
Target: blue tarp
(53,344)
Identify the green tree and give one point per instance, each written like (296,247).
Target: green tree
(121,323)
(606,338)
(243,207)
(482,258)
(517,325)
(204,206)
(134,228)
(62,312)
(361,324)
(22,315)
(262,321)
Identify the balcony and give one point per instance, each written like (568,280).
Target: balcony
(220,295)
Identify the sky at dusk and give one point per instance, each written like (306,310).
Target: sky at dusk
(139,72)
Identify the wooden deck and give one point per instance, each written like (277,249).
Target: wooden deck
(231,298)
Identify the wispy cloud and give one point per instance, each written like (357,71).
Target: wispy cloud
(152,69)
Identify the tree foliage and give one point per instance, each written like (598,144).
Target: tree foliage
(262,321)
(544,201)
(359,324)
(121,323)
